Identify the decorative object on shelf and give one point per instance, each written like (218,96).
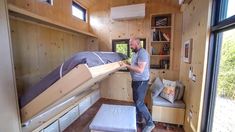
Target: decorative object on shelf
(161,21)
(166,49)
(153,50)
(188,45)
(164,64)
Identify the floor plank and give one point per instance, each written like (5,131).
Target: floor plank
(83,122)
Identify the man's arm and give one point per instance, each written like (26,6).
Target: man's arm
(139,68)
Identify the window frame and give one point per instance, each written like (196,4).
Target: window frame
(126,41)
(219,24)
(81,8)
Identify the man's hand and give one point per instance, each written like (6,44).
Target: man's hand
(123,64)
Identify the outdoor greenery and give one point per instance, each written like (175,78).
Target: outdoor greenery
(226,78)
(122,48)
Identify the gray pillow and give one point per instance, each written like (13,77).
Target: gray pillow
(180,90)
(157,87)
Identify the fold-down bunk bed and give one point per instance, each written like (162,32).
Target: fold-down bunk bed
(68,80)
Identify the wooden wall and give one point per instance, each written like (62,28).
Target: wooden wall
(38,49)
(9,113)
(60,12)
(107,29)
(196,20)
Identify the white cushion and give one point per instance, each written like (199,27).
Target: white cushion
(115,118)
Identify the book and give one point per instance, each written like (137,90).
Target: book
(166,36)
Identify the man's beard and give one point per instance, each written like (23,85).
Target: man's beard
(135,50)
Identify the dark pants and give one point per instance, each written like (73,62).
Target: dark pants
(139,91)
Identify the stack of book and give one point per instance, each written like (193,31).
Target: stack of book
(160,36)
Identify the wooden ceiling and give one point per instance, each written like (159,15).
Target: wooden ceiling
(89,3)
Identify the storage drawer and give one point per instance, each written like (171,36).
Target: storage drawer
(68,118)
(95,96)
(84,104)
(168,115)
(54,127)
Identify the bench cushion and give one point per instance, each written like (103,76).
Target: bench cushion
(159,101)
(115,118)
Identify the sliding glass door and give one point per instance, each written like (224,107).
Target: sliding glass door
(219,99)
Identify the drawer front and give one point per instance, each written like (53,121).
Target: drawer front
(168,115)
(84,105)
(54,127)
(68,118)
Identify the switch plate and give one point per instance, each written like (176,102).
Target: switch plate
(194,77)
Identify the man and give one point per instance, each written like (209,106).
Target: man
(139,70)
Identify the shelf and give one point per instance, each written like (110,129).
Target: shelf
(160,55)
(18,12)
(161,27)
(160,41)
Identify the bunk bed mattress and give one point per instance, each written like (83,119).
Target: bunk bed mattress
(115,118)
(90,58)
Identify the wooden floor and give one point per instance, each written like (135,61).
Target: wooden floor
(83,122)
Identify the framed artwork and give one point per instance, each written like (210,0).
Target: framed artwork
(188,45)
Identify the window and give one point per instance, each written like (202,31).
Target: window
(47,1)
(122,46)
(219,92)
(78,11)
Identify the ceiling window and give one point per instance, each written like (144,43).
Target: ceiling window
(78,11)
(50,2)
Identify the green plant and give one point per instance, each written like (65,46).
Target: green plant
(226,77)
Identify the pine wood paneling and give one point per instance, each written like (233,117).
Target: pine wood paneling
(9,115)
(39,49)
(60,12)
(196,23)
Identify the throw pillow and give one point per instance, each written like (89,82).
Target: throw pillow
(180,89)
(157,87)
(168,92)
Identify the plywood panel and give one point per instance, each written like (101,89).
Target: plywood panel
(196,23)
(38,49)
(117,86)
(9,115)
(107,29)
(60,12)
(168,115)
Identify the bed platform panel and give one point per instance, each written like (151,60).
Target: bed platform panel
(77,80)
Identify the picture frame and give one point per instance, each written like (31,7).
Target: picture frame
(187,56)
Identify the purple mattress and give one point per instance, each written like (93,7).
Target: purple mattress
(89,58)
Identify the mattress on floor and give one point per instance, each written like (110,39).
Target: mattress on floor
(90,58)
(115,118)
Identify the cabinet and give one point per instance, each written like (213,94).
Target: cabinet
(161,41)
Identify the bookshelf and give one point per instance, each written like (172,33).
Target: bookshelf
(161,41)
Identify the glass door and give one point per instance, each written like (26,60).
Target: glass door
(224,110)
(219,98)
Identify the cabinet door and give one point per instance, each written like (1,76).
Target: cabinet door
(117,86)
